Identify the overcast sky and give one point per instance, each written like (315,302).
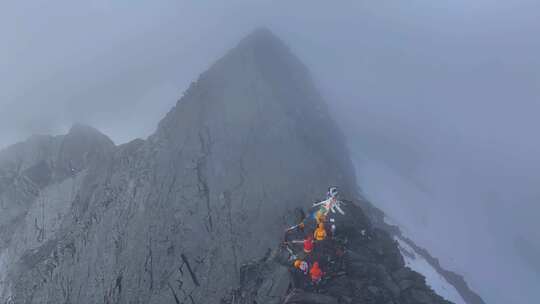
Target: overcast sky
(439,100)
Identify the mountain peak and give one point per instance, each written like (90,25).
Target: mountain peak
(79,130)
(260,87)
(260,79)
(268,52)
(261,55)
(260,35)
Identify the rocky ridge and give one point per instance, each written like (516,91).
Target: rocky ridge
(373,271)
(173,218)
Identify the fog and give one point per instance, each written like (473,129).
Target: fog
(439,101)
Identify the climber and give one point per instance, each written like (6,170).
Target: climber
(332,227)
(316,273)
(332,203)
(308,244)
(300,217)
(320,215)
(292,255)
(299,227)
(302,266)
(332,192)
(320,232)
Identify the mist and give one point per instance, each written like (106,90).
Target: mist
(439,101)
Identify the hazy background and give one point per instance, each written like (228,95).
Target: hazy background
(440,101)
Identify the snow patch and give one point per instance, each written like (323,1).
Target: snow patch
(436,281)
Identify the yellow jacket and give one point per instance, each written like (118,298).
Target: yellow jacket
(320,233)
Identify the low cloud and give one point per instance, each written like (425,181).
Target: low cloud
(439,100)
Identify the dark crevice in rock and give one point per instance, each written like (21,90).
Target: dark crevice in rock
(204,189)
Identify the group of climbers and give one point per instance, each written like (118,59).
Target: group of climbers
(318,249)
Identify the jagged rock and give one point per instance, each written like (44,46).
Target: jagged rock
(402,274)
(391,286)
(243,147)
(367,276)
(374,290)
(421,296)
(274,286)
(302,297)
(405,284)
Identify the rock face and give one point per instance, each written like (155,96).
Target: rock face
(39,180)
(173,217)
(373,272)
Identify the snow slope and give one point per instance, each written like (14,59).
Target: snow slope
(436,281)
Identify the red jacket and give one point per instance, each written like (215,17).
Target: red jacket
(308,245)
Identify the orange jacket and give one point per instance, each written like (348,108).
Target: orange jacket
(316,272)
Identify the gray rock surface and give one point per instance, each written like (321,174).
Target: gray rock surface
(176,217)
(39,180)
(373,272)
(171,218)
